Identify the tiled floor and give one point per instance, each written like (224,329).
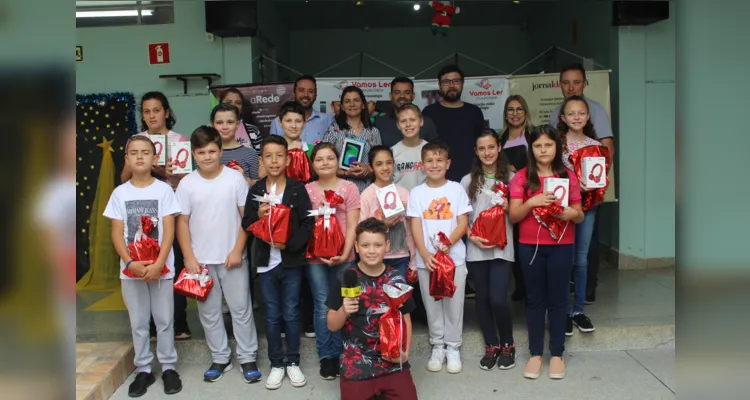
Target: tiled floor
(101,368)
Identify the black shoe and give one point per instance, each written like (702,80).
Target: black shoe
(141,383)
(172,382)
(329,368)
(216,371)
(491,353)
(583,323)
(507,358)
(569,326)
(309,330)
(590,298)
(250,372)
(470,293)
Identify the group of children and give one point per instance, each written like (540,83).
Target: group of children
(210,209)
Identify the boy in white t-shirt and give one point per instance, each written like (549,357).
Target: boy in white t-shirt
(440,205)
(151,293)
(407,154)
(212,199)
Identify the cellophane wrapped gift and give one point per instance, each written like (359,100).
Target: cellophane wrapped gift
(275,226)
(594,197)
(143,247)
(546,217)
(327,238)
(490,223)
(299,166)
(391,324)
(233,164)
(194,286)
(412,275)
(442,282)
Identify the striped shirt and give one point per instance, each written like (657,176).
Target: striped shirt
(371,137)
(246,157)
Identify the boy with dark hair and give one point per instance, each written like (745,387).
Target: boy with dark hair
(212,199)
(364,371)
(280,265)
(146,294)
(316,122)
(402,93)
(440,205)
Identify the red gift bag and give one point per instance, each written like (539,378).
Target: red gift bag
(412,276)
(391,324)
(233,164)
(327,239)
(143,247)
(490,223)
(299,166)
(594,197)
(275,226)
(194,286)
(546,217)
(442,282)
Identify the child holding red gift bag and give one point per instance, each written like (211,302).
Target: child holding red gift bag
(440,205)
(365,370)
(322,272)
(292,122)
(143,291)
(280,264)
(547,262)
(488,263)
(226,118)
(577,132)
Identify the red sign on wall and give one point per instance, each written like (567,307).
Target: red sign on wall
(158,53)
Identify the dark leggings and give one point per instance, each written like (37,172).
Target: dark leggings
(491,280)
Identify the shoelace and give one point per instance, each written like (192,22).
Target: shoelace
(506,350)
(490,350)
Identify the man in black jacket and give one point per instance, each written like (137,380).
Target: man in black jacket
(280,262)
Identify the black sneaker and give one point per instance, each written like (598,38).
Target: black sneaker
(172,381)
(469,292)
(216,371)
(309,330)
(590,298)
(569,326)
(491,353)
(250,372)
(329,368)
(140,384)
(583,323)
(507,358)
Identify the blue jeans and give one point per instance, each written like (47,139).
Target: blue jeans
(321,277)
(547,285)
(581,260)
(399,264)
(280,288)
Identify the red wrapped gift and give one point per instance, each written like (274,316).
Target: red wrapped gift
(596,196)
(234,164)
(412,276)
(442,283)
(275,226)
(194,286)
(143,247)
(391,324)
(327,239)
(490,223)
(546,217)
(299,166)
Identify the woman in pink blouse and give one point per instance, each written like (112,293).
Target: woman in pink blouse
(322,272)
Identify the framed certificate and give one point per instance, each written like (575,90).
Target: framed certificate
(352,152)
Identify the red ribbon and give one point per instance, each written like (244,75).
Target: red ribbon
(181,163)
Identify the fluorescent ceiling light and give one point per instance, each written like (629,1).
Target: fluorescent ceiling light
(112,13)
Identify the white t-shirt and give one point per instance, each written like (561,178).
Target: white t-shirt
(439,208)
(408,162)
(274,258)
(128,203)
(214,216)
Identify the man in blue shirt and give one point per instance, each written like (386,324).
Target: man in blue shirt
(317,123)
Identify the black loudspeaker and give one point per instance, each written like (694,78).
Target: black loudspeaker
(639,12)
(232,18)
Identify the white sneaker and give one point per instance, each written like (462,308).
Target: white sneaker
(296,377)
(454,360)
(436,359)
(275,378)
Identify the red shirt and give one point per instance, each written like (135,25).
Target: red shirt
(528,228)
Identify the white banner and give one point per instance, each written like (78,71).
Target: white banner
(488,93)
(375,89)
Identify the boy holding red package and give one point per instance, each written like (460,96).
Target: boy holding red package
(143,291)
(292,122)
(280,263)
(439,205)
(365,370)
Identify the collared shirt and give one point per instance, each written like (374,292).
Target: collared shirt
(315,127)
(390,134)
(599,118)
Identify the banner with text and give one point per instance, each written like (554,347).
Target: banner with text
(261,101)
(376,90)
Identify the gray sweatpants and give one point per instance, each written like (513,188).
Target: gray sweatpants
(144,299)
(234,285)
(445,318)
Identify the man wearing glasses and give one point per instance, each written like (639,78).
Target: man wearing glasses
(402,92)
(458,122)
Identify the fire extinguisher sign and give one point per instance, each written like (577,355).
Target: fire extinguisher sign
(158,53)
